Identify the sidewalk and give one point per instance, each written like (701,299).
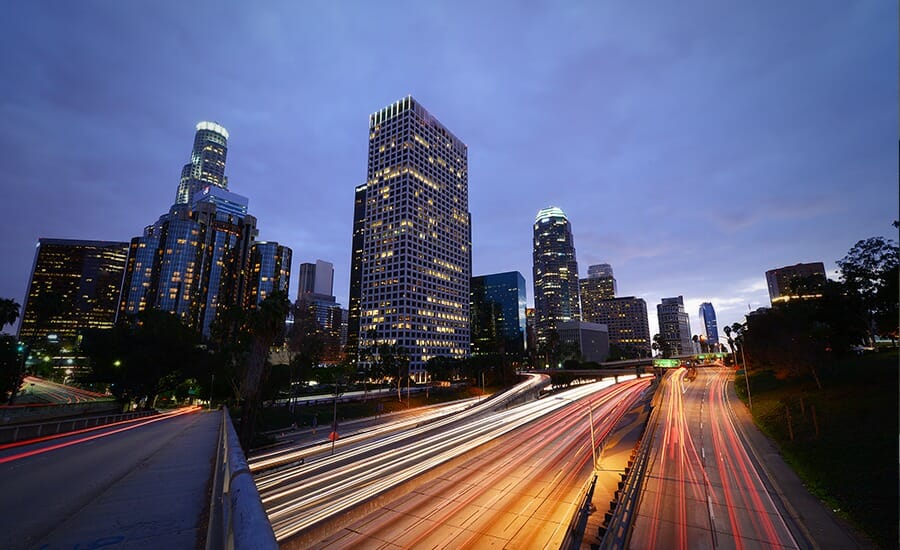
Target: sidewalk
(817,524)
(160,504)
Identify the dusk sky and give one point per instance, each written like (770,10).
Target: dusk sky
(693,145)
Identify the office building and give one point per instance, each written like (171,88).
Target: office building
(675,326)
(626,320)
(555,273)
(591,339)
(268,271)
(200,256)
(415,265)
(207,165)
(74,286)
(356,259)
(708,321)
(317,278)
(602,280)
(792,282)
(498,314)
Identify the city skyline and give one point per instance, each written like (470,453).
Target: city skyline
(774,129)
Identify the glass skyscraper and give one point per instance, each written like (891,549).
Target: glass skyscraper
(415,262)
(207,165)
(498,314)
(74,286)
(200,256)
(556,297)
(708,320)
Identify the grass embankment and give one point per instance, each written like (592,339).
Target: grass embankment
(851,462)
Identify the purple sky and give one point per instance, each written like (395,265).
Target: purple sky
(693,145)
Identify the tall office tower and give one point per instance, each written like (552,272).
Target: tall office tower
(356,258)
(598,286)
(74,286)
(207,165)
(530,338)
(416,260)
(627,322)
(555,273)
(603,273)
(196,258)
(317,278)
(675,325)
(708,320)
(268,271)
(801,281)
(498,314)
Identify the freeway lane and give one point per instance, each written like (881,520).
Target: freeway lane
(144,485)
(520,491)
(702,489)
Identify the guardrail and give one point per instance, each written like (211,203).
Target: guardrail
(36,412)
(237,519)
(18,432)
(624,508)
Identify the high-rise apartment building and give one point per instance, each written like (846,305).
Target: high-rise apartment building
(207,165)
(675,325)
(415,265)
(200,256)
(498,314)
(710,326)
(74,286)
(800,281)
(555,273)
(626,320)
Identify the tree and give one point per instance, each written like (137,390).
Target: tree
(266,327)
(870,270)
(9,312)
(11,373)
(662,345)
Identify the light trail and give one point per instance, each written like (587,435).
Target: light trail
(302,496)
(42,450)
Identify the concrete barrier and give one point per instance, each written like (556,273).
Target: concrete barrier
(237,519)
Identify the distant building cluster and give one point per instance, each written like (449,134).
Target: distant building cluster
(411,282)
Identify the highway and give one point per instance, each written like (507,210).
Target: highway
(520,491)
(702,489)
(301,497)
(57,490)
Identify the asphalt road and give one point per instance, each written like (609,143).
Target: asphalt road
(129,485)
(703,490)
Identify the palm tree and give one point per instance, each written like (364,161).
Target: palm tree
(9,312)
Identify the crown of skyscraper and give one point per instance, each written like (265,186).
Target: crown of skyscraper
(549,213)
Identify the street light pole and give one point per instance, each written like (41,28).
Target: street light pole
(593,443)
(747,380)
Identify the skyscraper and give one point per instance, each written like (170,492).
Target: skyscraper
(74,286)
(708,320)
(415,265)
(555,273)
(498,314)
(598,286)
(675,325)
(795,281)
(268,271)
(207,165)
(605,280)
(317,278)
(197,257)
(627,322)
(356,259)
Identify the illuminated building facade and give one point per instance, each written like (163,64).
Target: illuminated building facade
(675,325)
(599,285)
(555,273)
(498,314)
(207,165)
(801,281)
(356,258)
(710,326)
(268,271)
(74,286)
(627,322)
(415,265)
(200,256)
